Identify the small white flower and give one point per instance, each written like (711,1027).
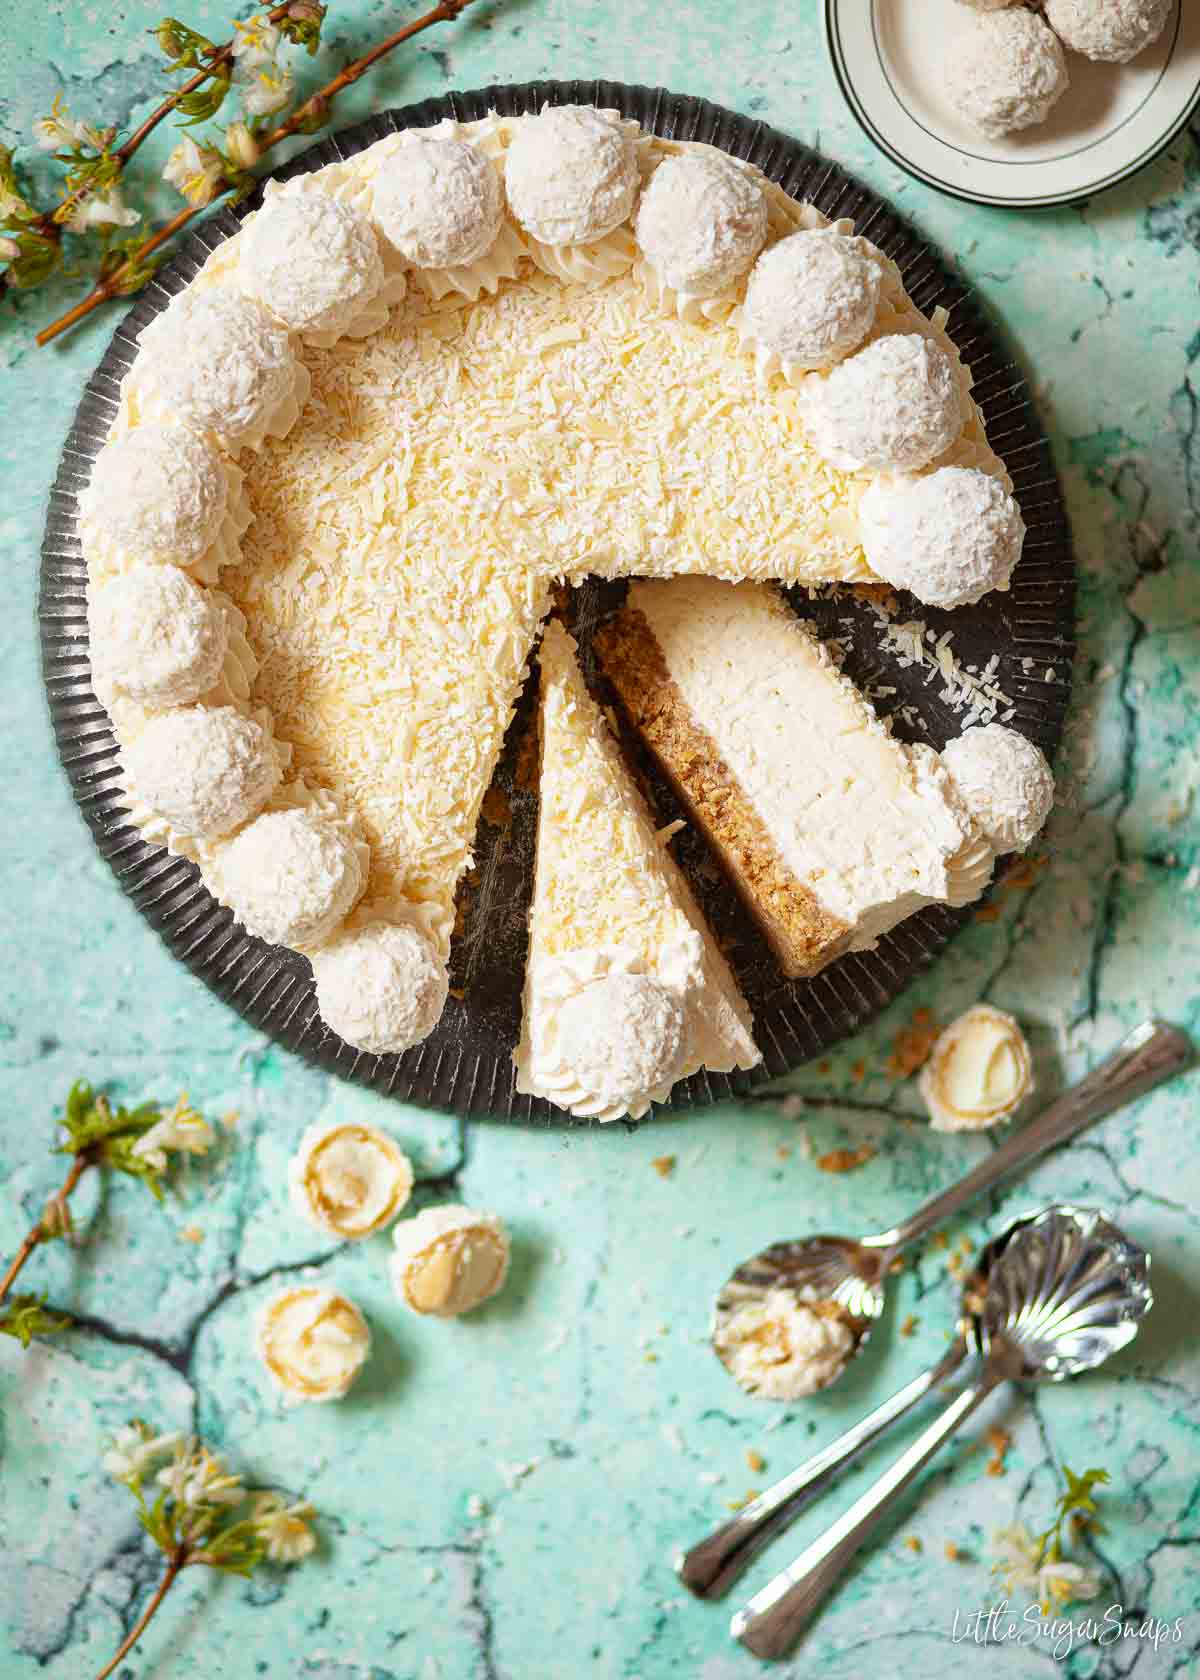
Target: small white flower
(198,1477)
(195,171)
(182,1129)
(241,145)
(283,1528)
(102,209)
(57,131)
(11,202)
(134,1450)
(9,249)
(255,42)
(1051,1582)
(269,91)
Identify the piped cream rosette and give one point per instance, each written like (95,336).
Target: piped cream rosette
(349,1179)
(979,1071)
(313,1342)
(449,1260)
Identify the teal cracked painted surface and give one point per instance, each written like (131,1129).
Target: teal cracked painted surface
(582,1409)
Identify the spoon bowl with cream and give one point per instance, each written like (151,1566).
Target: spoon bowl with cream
(789,1321)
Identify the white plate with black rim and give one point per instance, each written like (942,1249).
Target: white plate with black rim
(889,57)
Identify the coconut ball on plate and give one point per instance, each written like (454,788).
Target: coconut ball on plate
(1112,30)
(812,298)
(312,260)
(893,407)
(621,1036)
(292,877)
(438,201)
(1006,71)
(158,494)
(204,769)
(949,538)
(1005,783)
(381,987)
(571,175)
(220,361)
(156,637)
(701,223)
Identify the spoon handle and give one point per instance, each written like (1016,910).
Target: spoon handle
(771,1621)
(1151,1054)
(714,1563)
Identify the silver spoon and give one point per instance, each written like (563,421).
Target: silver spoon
(853,1274)
(1066,1290)
(710,1567)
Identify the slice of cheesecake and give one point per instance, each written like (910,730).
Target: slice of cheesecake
(832,829)
(625,989)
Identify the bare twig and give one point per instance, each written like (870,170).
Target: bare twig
(311,113)
(175,1563)
(38,1233)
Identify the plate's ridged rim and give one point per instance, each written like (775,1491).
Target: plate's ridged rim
(272,988)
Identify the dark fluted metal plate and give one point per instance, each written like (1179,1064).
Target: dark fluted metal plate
(465,1064)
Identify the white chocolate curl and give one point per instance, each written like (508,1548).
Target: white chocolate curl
(349,1179)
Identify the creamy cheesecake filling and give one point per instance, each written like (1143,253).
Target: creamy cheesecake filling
(608,901)
(799,777)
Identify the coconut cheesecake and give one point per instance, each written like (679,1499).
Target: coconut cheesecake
(626,991)
(418,387)
(833,830)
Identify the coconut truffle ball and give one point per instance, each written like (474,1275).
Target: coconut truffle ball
(313,1342)
(701,223)
(1112,30)
(812,298)
(204,769)
(893,407)
(156,636)
(159,493)
(312,260)
(382,987)
(438,201)
(449,1259)
(292,877)
(1006,72)
(949,537)
(221,362)
(571,175)
(1005,783)
(622,1037)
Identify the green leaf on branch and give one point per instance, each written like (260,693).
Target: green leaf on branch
(183,46)
(37,258)
(204,102)
(25,1316)
(91,1120)
(302,25)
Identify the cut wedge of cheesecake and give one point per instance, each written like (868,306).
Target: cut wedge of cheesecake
(625,989)
(832,829)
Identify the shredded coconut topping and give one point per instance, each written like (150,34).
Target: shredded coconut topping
(949,537)
(621,1035)
(219,360)
(314,262)
(1005,782)
(895,406)
(1006,72)
(438,201)
(1113,30)
(812,298)
(381,987)
(204,770)
(291,877)
(155,636)
(571,175)
(701,223)
(159,492)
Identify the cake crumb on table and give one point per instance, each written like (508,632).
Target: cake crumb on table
(909,1325)
(755,1460)
(1000,1441)
(846,1160)
(913,1543)
(664,1165)
(910,1048)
